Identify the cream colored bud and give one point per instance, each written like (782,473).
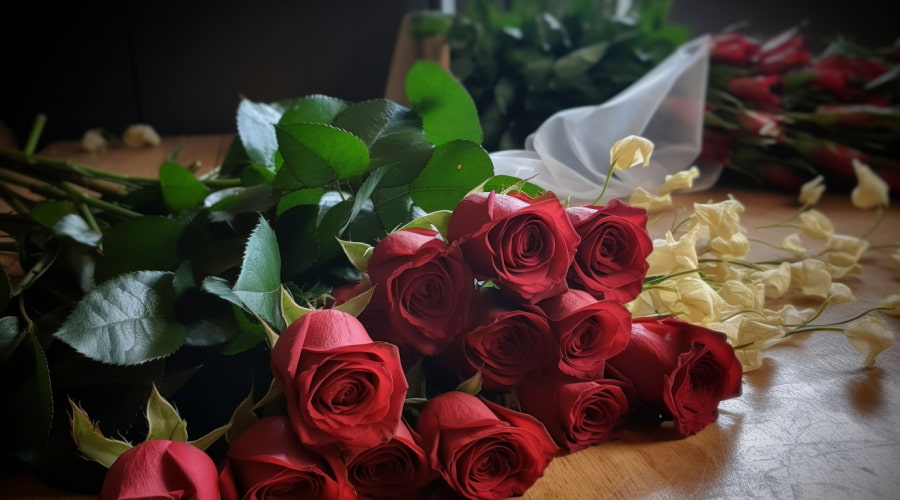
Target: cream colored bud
(679,180)
(630,151)
(811,192)
(869,335)
(871,190)
(140,135)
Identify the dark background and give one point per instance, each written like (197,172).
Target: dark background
(182,66)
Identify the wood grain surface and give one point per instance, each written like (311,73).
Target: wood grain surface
(812,423)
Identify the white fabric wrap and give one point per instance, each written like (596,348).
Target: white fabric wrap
(569,153)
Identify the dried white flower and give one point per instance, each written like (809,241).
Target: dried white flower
(812,191)
(93,141)
(140,135)
(630,151)
(871,190)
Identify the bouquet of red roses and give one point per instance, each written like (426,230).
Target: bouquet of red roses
(478,344)
(780,115)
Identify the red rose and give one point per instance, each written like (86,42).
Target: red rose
(483,450)
(160,469)
(525,248)
(396,469)
(717,148)
(588,332)
(761,123)
(733,48)
(833,158)
(611,260)
(783,53)
(757,89)
(678,371)
(341,387)
(577,413)
(423,289)
(266,462)
(505,342)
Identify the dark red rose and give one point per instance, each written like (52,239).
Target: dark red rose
(782,54)
(423,288)
(504,341)
(762,90)
(783,178)
(161,469)
(524,248)
(678,371)
(733,48)
(577,413)
(717,148)
(761,123)
(341,387)
(266,462)
(843,76)
(611,259)
(481,449)
(396,469)
(587,332)
(833,158)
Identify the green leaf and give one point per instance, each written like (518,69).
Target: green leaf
(395,207)
(259,283)
(256,128)
(356,305)
(149,242)
(10,336)
(579,61)
(454,169)
(447,110)
(357,253)
(290,310)
(472,385)
(163,420)
(434,220)
(127,320)
(314,109)
(91,441)
(48,213)
(226,203)
(180,189)
(25,388)
(299,197)
(316,154)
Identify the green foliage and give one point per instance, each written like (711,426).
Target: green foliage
(180,282)
(522,61)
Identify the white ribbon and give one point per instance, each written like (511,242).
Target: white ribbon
(569,153)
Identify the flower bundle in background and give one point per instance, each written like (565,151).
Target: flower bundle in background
(779,114)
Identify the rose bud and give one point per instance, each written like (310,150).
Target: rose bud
(733,48)
(577,413)
(757,89)
(505,342)
(161,468)
(678,371)
(396,469)
(524,248)
(834,158)
(266,462)
(782,54)
(341,388)
(422,287)
(481,449)
(611,259)
(717,148)
(588,332)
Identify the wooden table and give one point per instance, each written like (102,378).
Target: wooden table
(812,423)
